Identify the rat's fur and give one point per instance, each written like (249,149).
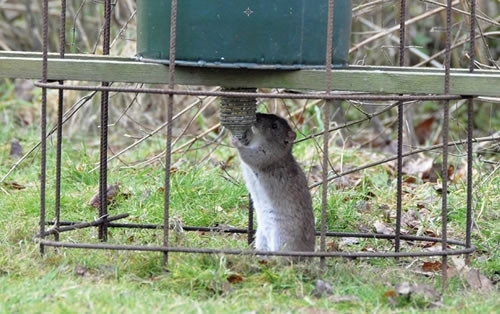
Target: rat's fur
(277,185)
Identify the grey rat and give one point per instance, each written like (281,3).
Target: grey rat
(277,185)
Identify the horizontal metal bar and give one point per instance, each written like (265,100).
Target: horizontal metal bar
(357,79)
(81,225)
(405,237)
(352,96)
(103,246)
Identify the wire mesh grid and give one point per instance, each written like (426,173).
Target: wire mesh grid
(106,221)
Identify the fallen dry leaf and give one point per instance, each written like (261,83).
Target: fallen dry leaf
(112,192)
(13,185)
(432,266)
(423,130)
(460,174)
(227,164)
(333,246)
(235,278)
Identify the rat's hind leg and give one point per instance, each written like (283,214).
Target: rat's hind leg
(261,241)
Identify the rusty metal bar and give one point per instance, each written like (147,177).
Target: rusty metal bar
(326,133)
(104,246)
(60,108)
(470,131)
(399,184)
(405,237)
(43,121)
(103,166)
(170,109)
(250,228)
(70,227)
(444,170)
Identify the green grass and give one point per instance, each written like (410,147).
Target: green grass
(87,281)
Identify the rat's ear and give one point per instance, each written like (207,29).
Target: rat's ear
(290,136)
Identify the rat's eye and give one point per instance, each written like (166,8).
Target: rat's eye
(274,126)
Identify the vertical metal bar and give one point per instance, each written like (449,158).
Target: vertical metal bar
(399,203)
(444,170)
(170,108)
(326,134)
(103,166)
(250,220)
(60,105)
(470,120)
(43,120)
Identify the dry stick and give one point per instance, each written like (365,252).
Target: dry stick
(197,137)
(82,225)
(395,39)
(395,28)
(442,52)
(162,154)
(345,125)
(192,119)
(123,28)
(158,129)
(78,24)
(479,17)
(380,162)
(69,114)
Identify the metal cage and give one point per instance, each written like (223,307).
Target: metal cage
(106,221)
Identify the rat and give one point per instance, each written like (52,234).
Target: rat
(277,186)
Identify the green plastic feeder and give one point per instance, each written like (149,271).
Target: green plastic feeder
(282,34)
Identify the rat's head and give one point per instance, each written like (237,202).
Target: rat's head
(268,140)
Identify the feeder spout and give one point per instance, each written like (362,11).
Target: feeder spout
(238,113)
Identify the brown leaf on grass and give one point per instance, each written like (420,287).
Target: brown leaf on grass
(409,179)
(13,185)
(227,163)
(460,174)
(16,150)
(391,296)
(423,130)
(333,246)
(235,278)
(432,266)
(299,118)
(112,192)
